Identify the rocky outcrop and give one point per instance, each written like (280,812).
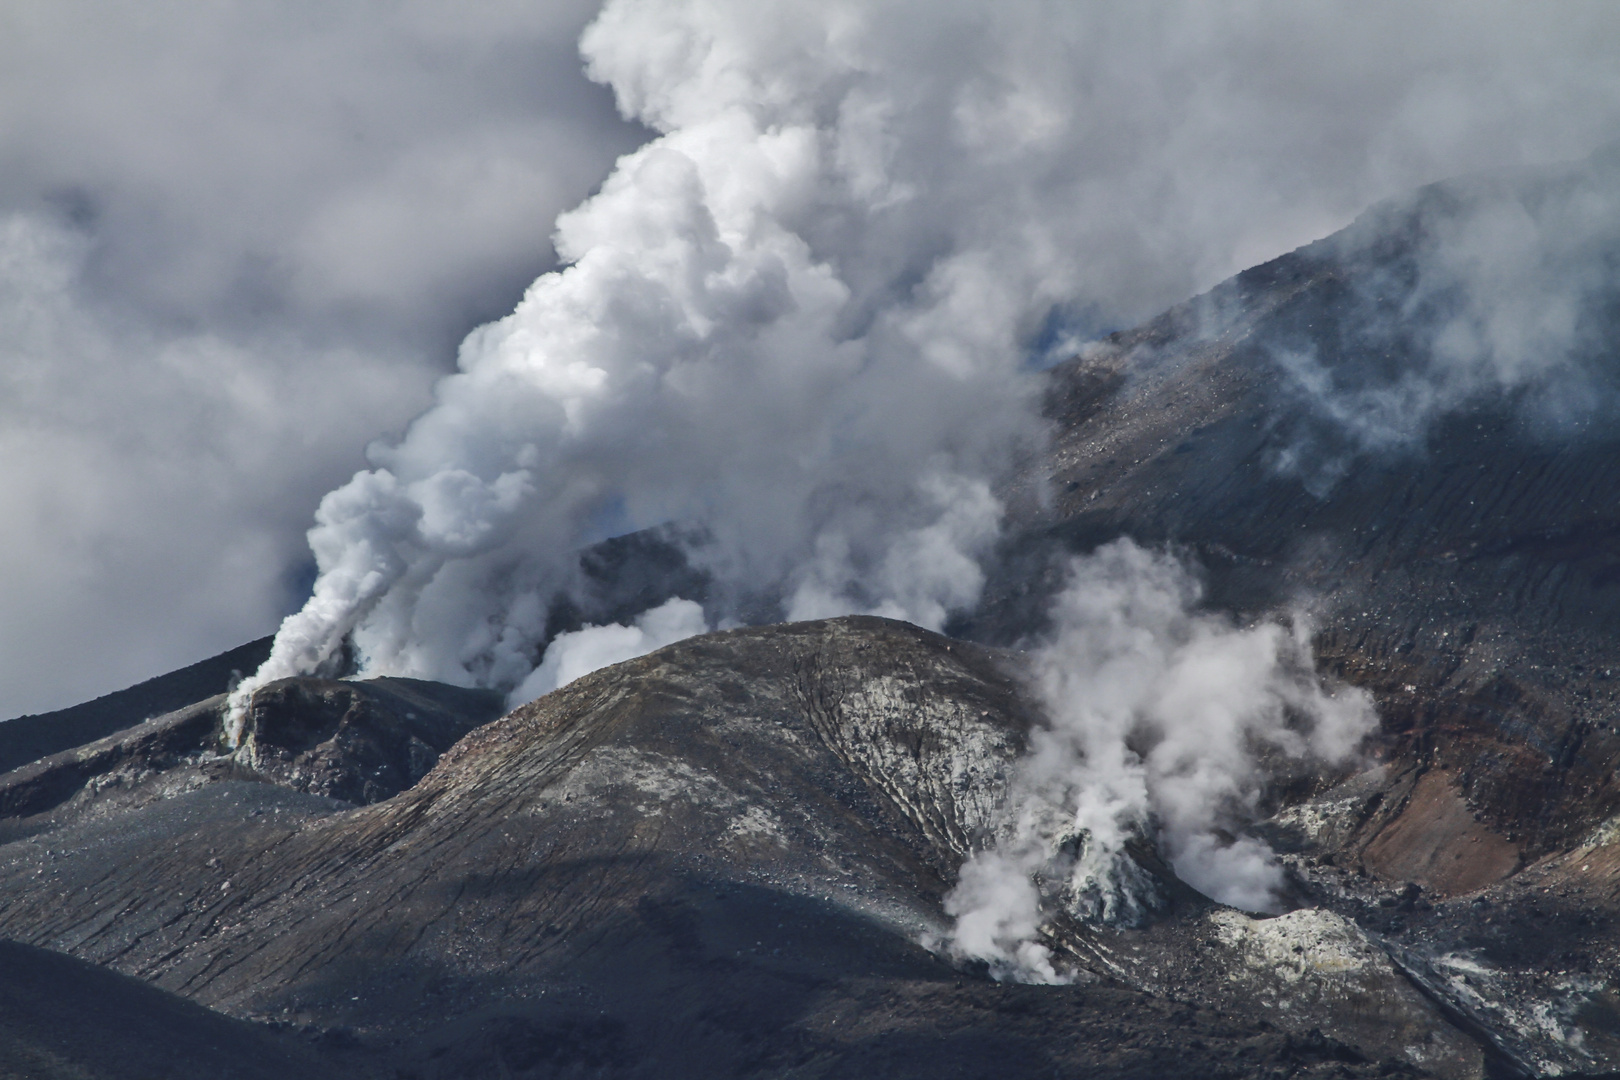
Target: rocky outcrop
(359,742)
(1520,958)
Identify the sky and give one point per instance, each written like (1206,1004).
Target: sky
(240,244)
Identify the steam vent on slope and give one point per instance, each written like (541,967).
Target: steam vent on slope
(1280,742)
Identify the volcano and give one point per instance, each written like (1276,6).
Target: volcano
(730,857)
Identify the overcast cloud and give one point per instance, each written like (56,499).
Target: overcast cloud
(239,241)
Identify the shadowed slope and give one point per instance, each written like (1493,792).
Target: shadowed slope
(64,1019)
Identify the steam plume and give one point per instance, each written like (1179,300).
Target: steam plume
(800,321)
(765,332)
(1493,291)
(1158,718)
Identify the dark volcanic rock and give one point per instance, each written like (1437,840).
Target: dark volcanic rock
(1468,578)
(360,742)
(355,741)
(122,759)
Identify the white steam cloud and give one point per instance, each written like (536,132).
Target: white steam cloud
(1159,719)
(828,417)
(583,651)
(237,240)
(800,322)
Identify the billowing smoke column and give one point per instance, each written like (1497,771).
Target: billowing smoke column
(1159,720)
(785,324)
(797,324)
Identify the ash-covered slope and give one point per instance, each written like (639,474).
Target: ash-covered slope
(1463,567)
(355,742)
(714,861)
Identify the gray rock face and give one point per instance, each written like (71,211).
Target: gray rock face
(1468,580)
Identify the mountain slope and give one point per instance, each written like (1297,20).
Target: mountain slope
(1467,575)
(716,860)
(64,1019)
(29,738)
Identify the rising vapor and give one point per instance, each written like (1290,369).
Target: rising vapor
(779,327)
(1159,718)
(1490,290)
